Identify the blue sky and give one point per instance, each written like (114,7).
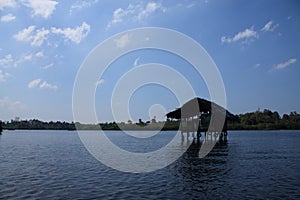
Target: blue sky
(255,45)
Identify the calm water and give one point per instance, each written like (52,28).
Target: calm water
(55,164)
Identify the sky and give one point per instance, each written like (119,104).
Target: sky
(255,45)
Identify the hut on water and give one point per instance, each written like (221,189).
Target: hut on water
(196,116)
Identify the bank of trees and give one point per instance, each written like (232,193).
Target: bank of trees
(265,120)
(37,125)
(40,125)
(259,120)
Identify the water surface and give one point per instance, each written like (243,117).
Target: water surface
(55,164)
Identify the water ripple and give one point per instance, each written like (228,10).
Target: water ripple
(55,165)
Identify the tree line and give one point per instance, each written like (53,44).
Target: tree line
(265,120)
(36,124)
(258,120)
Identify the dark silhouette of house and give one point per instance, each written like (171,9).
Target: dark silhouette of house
(195,116)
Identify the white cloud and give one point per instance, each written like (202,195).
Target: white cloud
(27,57)
(249,34)
(7,18)
(150,8)
(122,41)
(245,35)
(25,34)
(99,82)
(40,36)
(136,62)
(284,64)
(46,85)
(135,12)
(23,58)
(39,54)
(118,15)
(41,84)
(270,26)
(7,3)
(34,83)
(73,34)
(4,76)
(35,37)
(48,66)
(82,4)
(43,8)
(7,60)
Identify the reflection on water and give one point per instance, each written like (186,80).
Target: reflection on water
(202,174)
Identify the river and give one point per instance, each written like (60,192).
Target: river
(55,165)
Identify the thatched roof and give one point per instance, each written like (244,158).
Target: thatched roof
(194,106)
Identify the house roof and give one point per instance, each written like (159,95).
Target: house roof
(195,106)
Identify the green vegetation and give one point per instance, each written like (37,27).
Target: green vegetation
(265,120)
(37,125)
(259,120)
(40,125)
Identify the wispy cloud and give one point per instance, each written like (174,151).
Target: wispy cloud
(284,64)
(119,14)
(135,12)
(46,85)
(247,35)
(7,4)
(9,61)
(23,58)
(35,37)
(99,82)
(82,4)
(122,41)
(34,83)
(42,84)
(270,26)
(6,61)
(149,8)
(7,18)
(40,37)
(43,8)
(39,54)
(48,66)
(4,76)
(25,34)
(74,34)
